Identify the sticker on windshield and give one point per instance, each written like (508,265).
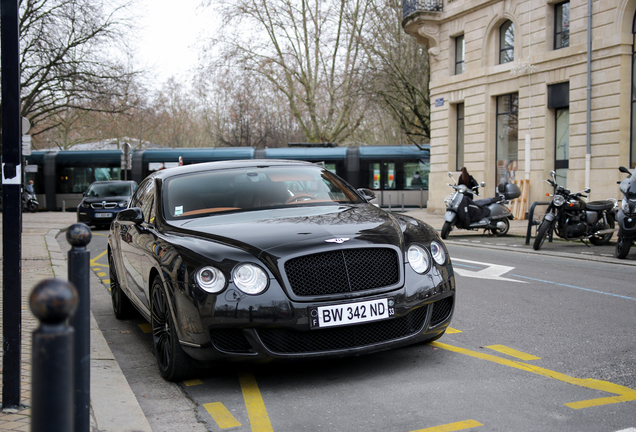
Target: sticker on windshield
(178,211)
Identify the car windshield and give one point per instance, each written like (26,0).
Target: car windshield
(253,188)
(98,190)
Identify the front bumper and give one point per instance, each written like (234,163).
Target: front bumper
(253,329)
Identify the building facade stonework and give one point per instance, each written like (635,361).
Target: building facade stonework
(509,92)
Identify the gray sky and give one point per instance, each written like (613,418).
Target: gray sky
(168,33)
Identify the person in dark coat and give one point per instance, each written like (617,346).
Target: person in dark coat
(469,181)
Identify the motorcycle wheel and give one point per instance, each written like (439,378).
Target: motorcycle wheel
(601,240)
(446,229)
(502,232)
(32,207)
(622,247)
(542,232)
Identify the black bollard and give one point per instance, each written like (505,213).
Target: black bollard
(52,301)
(79,235)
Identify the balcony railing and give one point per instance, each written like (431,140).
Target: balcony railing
(412,6)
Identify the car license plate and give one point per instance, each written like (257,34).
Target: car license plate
(351,313)
(103,215)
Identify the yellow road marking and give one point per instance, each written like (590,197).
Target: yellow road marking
(221,415)
(101,274)
(624,394)
(450,427)
(193,382)
(94,260)
(106,281)
(145,327)
(94,233)
(513,352)
(96,268)
(450,330)
(256,411)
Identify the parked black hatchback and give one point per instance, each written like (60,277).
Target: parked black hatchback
(103,200)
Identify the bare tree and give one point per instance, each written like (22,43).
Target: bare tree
(71,59)
(400,71)
(310,51)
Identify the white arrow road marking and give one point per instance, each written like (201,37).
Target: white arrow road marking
(492,271)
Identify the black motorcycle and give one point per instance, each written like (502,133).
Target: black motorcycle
(487,214)
(626,216)
(571,218)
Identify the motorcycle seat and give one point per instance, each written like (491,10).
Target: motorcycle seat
(599,205)
(484,202)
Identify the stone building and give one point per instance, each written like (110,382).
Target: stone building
(509,91)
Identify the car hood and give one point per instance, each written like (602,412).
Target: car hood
(296,228)
(107,199)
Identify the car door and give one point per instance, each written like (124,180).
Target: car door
(134,240)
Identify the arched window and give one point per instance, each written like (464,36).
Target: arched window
(506,42)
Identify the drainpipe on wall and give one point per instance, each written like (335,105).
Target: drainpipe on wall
(528,160)
(588,153)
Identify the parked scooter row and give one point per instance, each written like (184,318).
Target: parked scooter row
(489,214)
(626,216)
(571,218)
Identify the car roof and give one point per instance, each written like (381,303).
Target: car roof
(244,163)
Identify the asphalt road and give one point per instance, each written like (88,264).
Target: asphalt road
(539,342)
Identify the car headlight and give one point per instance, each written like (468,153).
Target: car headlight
(419,259)
(85,205)
(439,255)
(123,204)
(210,279)
(250,278)
(558,200)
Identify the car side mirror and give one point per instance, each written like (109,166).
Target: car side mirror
(130,216)
(367,194)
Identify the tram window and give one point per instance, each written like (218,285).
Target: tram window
(78,179)
(374,172)
(421,180)
(390,176)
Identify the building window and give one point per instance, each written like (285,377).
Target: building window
(507,137)
(459,55)
(559,100)
(506,42)
(562,25)
(562,146)
(460,137)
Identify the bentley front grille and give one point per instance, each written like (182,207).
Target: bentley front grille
(283,341)
(343,271)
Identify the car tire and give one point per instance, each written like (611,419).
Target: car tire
(604,239)
(446,229)
(622,247)
(174,364)
(122,306)
(502,232)
(542,232)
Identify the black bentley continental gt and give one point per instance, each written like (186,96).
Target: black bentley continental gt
(263,260)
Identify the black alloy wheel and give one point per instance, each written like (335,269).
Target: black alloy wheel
(600,240)
(502,232)
(174,364)
(446,229)
(122,306)
(542,232)
(622,247)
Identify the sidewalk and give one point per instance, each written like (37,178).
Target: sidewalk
(114,407)
(518,227)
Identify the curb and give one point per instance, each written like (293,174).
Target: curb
(114,407)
